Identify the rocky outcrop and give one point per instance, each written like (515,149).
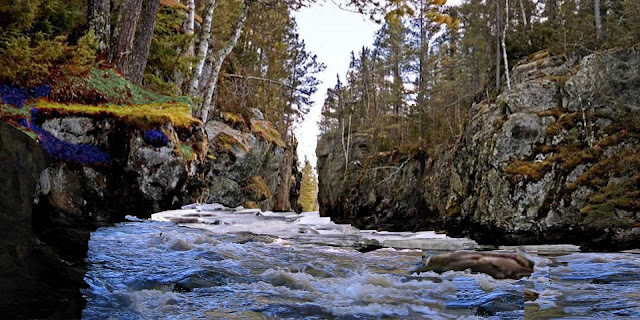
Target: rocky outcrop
(253,169)
(139,155)
(382,192)
(104,169)
(36,283)
(553,160)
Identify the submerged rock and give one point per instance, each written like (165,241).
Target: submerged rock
(496,264)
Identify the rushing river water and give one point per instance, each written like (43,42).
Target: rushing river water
(158,270)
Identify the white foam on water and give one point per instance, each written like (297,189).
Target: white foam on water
(218,219)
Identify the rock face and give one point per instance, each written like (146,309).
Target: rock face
(125,172)
(35,282)
(142,154)
(383,192)
(554,160)
(251,169)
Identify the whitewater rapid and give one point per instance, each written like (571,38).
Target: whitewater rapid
(243,264)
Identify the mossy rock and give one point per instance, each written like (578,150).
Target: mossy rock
(187,151)
(257,188)
(530,170)
(265,130)
(145,116)
(100,86)
(233,119)
(225,142)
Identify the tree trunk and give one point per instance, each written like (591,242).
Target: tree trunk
(523,15)
(504,47)
(98,14)
(281,199)
(191,23)
(498,29)
(596,9)
(124,33)
(203,48)
(525,22)
(207,106)
(142,42)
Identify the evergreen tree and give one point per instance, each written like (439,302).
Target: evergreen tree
(308,199)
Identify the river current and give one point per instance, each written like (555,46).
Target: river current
(216,270)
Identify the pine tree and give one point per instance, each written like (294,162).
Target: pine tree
(308,199)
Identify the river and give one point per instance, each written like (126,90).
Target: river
(305,267)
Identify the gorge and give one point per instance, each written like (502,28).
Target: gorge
(151,167)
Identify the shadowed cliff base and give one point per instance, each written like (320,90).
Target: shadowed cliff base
(36,283)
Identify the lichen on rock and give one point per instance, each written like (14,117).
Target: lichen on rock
(552,160)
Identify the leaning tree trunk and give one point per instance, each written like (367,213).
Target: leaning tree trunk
(504,46)
(207,106)
(142,42)
(123,34)
(203,48)
(498,30)
(98,13)
(596,11)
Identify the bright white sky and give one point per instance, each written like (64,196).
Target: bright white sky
(332,34)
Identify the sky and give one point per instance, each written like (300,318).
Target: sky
(331,33)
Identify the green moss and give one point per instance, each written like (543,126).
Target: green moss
(565,122)
(11,115)
(556,79)
(555,112)
(607,196)
(186,150)
(531,170)
(144,116)
(621,164)
(7,110)
(539,55)
(570,162)
(104,86)
(258,188)
(232,118)
(226,141)
(265,130)
(543,149)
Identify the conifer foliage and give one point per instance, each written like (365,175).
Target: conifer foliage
(429,63)
(308,199)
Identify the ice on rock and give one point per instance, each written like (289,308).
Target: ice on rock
(306,227)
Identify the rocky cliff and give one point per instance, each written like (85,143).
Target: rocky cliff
(556,159)
(250,165)
(116,150)
(35,282)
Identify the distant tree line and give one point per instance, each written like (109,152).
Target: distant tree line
(413,88)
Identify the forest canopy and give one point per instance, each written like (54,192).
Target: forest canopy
(412,89)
